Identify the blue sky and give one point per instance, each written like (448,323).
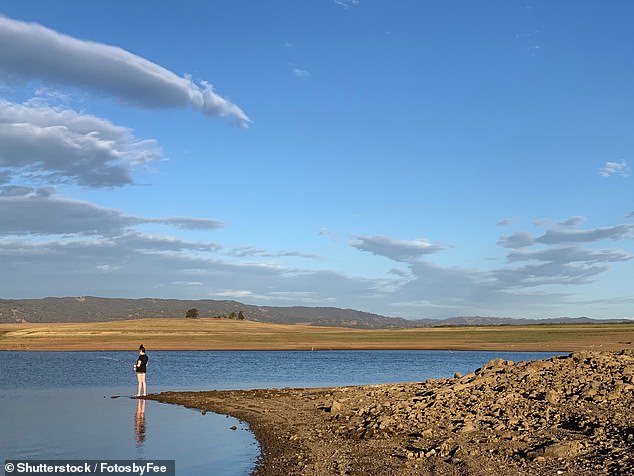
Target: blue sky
(414,159)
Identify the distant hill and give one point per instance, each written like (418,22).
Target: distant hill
(94,309)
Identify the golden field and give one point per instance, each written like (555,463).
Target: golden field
(220,334)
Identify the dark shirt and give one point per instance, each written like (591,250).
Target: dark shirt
(141,364)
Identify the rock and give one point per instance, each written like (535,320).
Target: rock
(468,427)
(552,396)
(448,448)
(457,375)
(563,449)
(494,364)
(336,407)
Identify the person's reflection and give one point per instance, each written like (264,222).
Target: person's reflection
(139,424)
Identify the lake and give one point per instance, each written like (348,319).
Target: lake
(58,405)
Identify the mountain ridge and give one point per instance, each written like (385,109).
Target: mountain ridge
(99,309)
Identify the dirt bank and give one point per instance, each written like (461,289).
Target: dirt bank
(567,415)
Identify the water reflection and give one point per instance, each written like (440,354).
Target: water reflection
(139,427)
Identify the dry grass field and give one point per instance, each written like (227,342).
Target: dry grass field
(214,334)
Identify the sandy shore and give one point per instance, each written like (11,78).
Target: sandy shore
(566,415)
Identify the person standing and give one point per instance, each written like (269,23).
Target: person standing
(141,368)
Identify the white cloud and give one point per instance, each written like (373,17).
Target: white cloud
(517,240)
(556,236)
(398,250)
(244,251)
(35,52)
(25,211)
(572,221)
(188,223)
(44,95)
(345,4)
(569,254)
(33,213)
(334,237)
(15,191)
(548,273)
(45,144)
(149,243)
(300,73)
(108,268)
(234,293)
(622,169)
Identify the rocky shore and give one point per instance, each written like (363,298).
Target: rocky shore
(571,415)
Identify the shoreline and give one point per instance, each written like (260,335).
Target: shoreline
(360,349)
(564,415)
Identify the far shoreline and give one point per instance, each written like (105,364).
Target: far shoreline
(171,334)
(547,351)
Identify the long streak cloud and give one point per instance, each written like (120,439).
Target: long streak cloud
(33,51)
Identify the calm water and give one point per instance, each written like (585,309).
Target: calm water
(57,404)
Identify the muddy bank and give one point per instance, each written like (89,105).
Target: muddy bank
(566,415)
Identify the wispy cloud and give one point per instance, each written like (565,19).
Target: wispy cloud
(300,73)
(188,223)
(566,231)
(346,4)
(519,239)
(245,251)
(621,169)
(530,42)
(572,221)
(557,236)
(33,51)
(331,234)
(398,250)
(548,262)
(569,254)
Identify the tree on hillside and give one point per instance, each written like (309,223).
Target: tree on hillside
(191,313)
(240,316)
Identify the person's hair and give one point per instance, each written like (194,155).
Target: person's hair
(141,348)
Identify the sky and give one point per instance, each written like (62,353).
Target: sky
(412,159)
